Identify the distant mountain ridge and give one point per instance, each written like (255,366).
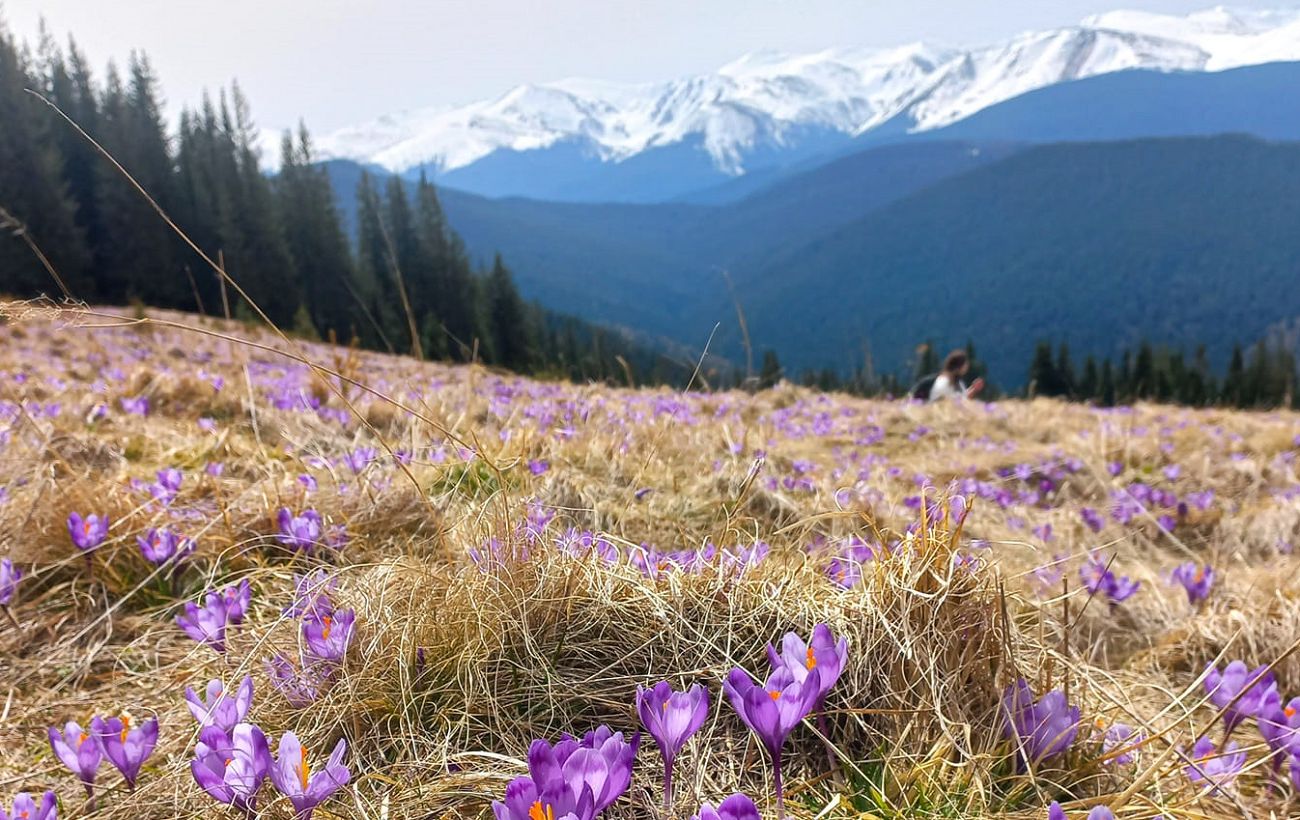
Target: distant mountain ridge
(580,140)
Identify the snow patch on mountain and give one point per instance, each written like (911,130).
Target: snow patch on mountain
(766,99)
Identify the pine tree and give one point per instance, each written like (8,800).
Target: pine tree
(375,289)
(452,282)
(510,332)
(135,255)
(1043,380)
(770,372)
(32,188)
(1089,384)
(1065,378)
(315,239)
(1106,386)
(1144,375)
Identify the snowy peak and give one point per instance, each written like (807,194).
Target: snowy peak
(767,99)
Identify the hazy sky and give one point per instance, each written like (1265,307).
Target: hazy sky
(336,62)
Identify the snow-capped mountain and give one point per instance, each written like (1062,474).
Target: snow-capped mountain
(768,102)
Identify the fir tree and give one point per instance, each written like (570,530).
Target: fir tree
(511,334)
(770,372)
(32,189)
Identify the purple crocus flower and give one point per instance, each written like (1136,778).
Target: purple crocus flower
(292,775)
(538,466)
(89,532)
(1239,691)
(25,808)
(736,807)
(1218,769)
(311,594)
(219,709)
(231,767)
(671,718)
(525,800)
(159,545)
(206,624)
(9,577)
(1041,729)
(1279,725)
(599,766)
(1055,812)
(1098,579)
(1092,519)
(125,747)
(300,687)
(168,485)
(1196,579)
(1120,736)
(772,710)
(327,636)
(359,459)
(823,653)
(79,751)
(237,598)
(300,532)
(135,405)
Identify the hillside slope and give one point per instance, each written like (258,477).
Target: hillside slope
(1180,241)
(642,266)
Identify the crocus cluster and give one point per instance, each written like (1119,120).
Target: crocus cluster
(326,634)
(233,759)
(1238,691)
(1055,812)
(167,486)
(572,779)
(25,807)
(209,623)
(127,747)
(305,531)
(1214,767)
(1041,728)
(736,807)
(1099,580)
(802,675)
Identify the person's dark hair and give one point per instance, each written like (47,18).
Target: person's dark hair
(955,361)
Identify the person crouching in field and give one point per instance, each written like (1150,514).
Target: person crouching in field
(949,383)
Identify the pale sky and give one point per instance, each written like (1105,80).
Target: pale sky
(336,63)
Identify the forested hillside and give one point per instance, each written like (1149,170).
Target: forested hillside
(409,286)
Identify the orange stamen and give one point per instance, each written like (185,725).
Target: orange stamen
(540,812)
(303,769)
(812,660)
(1289,711)
(326,633)
(126,726)
(774,695)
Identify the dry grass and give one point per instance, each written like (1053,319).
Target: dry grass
(455,668)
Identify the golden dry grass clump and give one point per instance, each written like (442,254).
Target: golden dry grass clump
(523,555)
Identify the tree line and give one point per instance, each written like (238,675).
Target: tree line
(1262,376)
(405,285)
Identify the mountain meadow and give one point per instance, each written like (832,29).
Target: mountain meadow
(558,456)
